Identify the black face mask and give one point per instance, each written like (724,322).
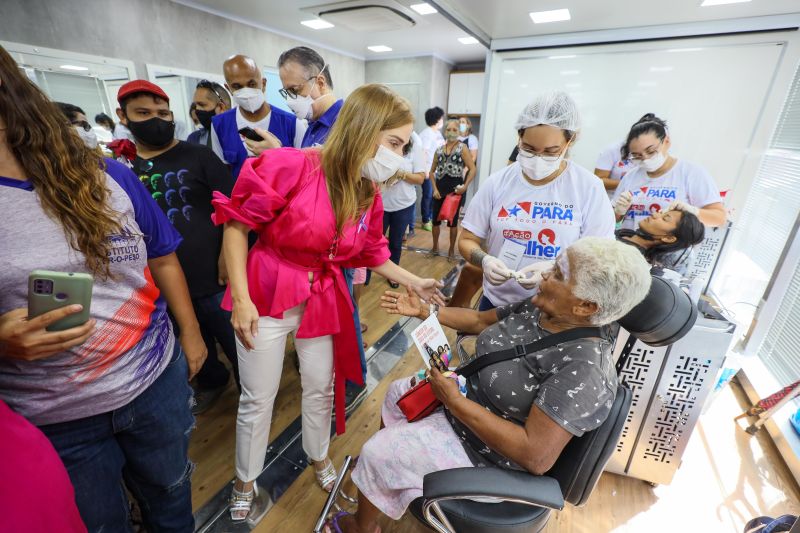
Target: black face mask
(204,117)
(155,132)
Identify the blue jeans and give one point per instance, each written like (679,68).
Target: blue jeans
(215,326)
(485,304)
(348,277)
(397,222)
(425,207)
(145,444)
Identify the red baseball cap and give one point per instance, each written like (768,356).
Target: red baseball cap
(141,86)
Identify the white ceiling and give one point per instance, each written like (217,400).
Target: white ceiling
(509,18)
(433,34)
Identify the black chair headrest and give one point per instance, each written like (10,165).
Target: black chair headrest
(663,317)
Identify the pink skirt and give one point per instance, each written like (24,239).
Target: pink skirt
(393,462)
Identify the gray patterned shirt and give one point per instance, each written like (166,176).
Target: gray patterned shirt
(573,383)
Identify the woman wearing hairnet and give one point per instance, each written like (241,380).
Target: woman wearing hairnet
(525,214)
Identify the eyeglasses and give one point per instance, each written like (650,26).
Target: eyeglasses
(293,92)
(647,155)
(211,86)
(550,158)
(83,124)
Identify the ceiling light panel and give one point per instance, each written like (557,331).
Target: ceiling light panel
(317,24)
(555,15)
(423,8)
(468,40)
(379,48)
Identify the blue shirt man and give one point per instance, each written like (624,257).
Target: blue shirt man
(244,80)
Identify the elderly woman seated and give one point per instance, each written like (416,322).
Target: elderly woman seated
(666,238)
(517,414)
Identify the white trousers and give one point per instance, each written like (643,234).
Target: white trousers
(260,370)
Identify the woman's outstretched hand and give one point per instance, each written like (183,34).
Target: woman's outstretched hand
(428,291)
(396,303)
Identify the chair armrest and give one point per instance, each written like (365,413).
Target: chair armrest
(498,483)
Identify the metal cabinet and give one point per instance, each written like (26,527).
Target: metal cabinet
(670,385)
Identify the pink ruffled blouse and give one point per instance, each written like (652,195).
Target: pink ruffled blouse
(282,196)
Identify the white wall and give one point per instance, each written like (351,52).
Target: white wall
(424,81)
(155,31)
(711,95)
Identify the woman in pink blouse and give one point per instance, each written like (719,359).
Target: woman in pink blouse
(315,211)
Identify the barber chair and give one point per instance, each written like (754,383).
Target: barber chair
(483,500)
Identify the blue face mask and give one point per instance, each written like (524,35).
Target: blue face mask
(462,128)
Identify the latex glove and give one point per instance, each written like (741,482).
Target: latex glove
(679,205)
(495,271)
(623,203)
(531,275)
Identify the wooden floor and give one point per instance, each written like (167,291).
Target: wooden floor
(213,440)
(727,477)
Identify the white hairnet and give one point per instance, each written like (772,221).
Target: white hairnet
(556,109)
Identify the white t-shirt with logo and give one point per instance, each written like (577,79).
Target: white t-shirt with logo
(431,139)
(403,194)
(543,220)
(686,181)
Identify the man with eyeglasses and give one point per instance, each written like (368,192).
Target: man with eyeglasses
(274,126)
(308,90)
(78,119)
(209,100)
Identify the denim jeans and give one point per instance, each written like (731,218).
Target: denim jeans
(425,207)
(215,326)
(348,277)
(145,444)
(397,222)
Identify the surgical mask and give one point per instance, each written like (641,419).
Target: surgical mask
(155,132)
(383,166)
(250,99)
(537,168)
(462,128)
(301,105)
(204,117)
(89,138)
(654,163)
(451,136)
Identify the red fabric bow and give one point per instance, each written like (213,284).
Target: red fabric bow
(124,148)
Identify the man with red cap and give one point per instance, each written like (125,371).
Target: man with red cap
(182,178)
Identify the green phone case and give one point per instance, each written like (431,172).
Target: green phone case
(49,290)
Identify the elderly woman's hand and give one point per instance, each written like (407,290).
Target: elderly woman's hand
(444,388)
(396,303)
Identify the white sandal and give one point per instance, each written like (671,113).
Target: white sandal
(241,502)
(327,476)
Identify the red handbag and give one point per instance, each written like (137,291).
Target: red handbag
(449,209)
(418,401)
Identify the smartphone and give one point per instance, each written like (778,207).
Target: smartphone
(49,290)
(250,133)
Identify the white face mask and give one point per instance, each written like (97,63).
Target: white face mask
(654,163)
(89,138)
(301,106)
(249,99)
(535,167)
(383,166)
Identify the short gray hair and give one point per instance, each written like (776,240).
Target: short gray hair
(310,60)
(611,274)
